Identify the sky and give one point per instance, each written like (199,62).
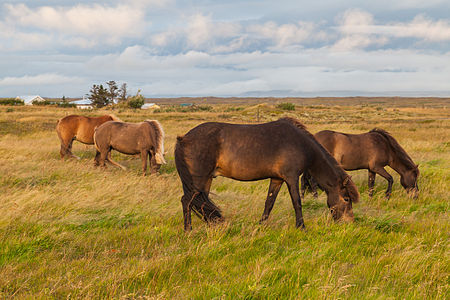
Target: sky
(170,48)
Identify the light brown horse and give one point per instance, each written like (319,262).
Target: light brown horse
(373,151)
(145,138)
(280,150)
(80,128)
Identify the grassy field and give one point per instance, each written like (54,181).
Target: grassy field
(70,230)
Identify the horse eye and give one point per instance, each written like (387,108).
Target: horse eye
(347,199)
(332,211)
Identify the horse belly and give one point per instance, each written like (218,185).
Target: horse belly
(351,160)
(85,136)
(245,169)
(125,149)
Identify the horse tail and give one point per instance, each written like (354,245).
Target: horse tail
(200,203)
(159,132)
(95,141)
(58,129)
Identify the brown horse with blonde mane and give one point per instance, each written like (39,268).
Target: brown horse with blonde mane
(145,138)
(373,151)
(79,128)
(280,151)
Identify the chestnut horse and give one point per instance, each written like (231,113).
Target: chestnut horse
(372,150)
(80,128)
(279,150)
(145,138)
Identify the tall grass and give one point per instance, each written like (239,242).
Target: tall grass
(68,229)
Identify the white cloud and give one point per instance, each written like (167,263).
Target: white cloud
(147,3)
(81,19)
(423,28)
(359,30)
(82,25)
(202,33)
(285,34)
(309,70)
(41,79)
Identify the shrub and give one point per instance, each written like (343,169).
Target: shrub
(66,104)
(11,101)
(43,103)
(136,101)
(286,106)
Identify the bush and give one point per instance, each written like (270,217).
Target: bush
(43,103)
(286,106)
(136,101)
(66,104)
(11,101)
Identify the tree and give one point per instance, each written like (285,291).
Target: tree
(136,101)
(112,91)
(123,93)
(63,99)
(99,96)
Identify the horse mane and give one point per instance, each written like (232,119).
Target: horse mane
(344,177)
(396,148)
(294,122)
(115,118)
(159,132)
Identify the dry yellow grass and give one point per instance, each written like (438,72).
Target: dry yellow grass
(68,229)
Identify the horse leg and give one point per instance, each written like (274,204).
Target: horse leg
(304,183)
(186,203)
(371,182)
(69,149)
(154,167)
(313,185)
(103,154)
(109,159)
(382,172)
(97,158)
(308,181)
(144,156)
(296,202)
(63,150)
(274,188)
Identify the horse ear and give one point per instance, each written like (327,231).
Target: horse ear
(417,166)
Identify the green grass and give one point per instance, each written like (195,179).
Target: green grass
(68,229)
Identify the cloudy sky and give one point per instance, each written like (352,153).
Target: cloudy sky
(226,48)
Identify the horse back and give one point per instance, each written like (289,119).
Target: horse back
(355,151)
(128,138)
(245,152)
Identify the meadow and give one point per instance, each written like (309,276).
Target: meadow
(71,230)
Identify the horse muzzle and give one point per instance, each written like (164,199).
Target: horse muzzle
(413,193)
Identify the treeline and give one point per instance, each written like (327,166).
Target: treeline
(11,101)
(111,94)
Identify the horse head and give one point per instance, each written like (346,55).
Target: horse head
(409,181)
(340,200)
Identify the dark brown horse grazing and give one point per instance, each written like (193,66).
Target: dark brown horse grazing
(145,138)
(279,150)
(78,128)
(373,151)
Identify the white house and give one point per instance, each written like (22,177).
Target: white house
(28,99)
(83,104)
(150,106)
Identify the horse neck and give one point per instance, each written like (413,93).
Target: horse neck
(400,165)
(103,119)
(325,172)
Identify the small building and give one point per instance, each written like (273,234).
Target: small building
(150,106)
(28,99)
(83,104)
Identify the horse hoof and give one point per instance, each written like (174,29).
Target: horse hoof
(301,226)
